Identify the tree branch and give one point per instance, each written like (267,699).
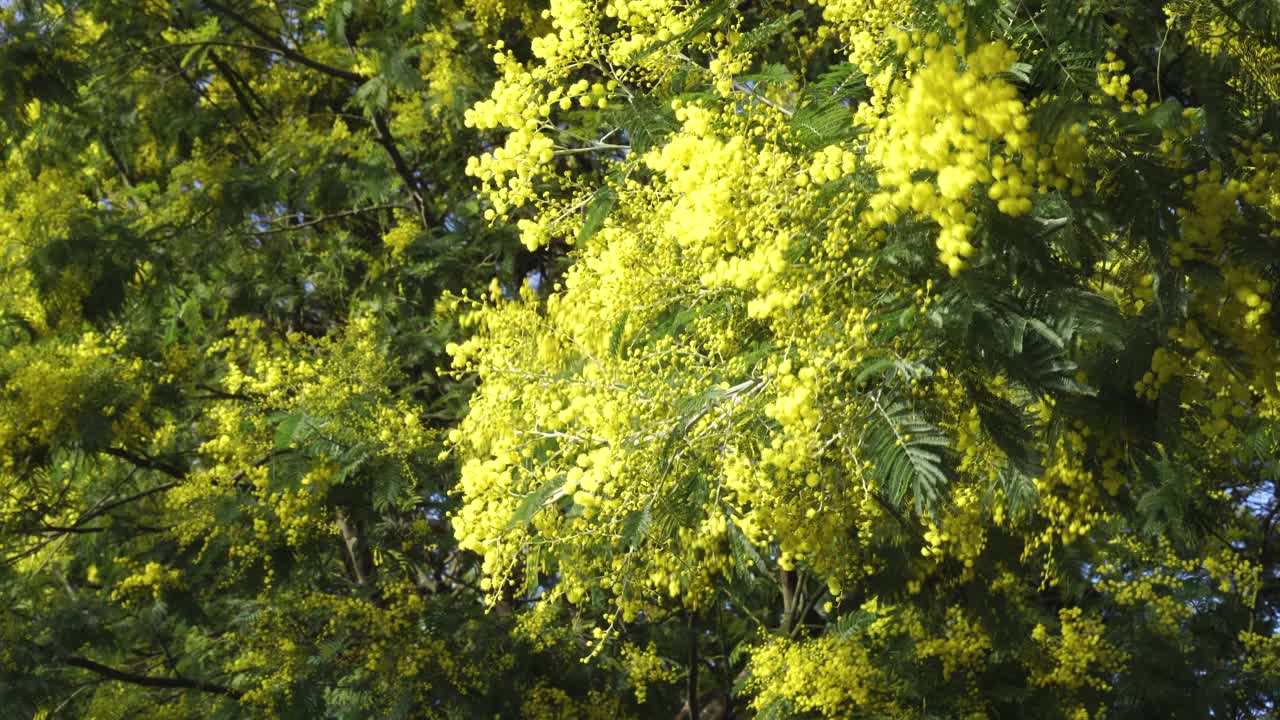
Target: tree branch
(117,160)
(147,463)
(235,81)
(388,143)
(787,581)
(357,551)
(64,529)
(179,682)
(326,218)
(275,43)
(197,89)
(385,138)
(692,685)
(215,393)
(125,501)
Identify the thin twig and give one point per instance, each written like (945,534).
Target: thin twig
(281,48)
(323,219)
(178,682)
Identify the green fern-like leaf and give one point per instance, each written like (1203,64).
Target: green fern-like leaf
(772,74)
(840,82)
(852,623)
(635,526)
(746,558)
(704,22)
(761,35)
(1007,425)
(907,453)
(644,122)
(1163,507)
(1019,491)
(1044,365)
(821,124)
(530,504)
(597,210)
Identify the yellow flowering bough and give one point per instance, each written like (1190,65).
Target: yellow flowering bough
(932,345)
(832,358)
(223,227)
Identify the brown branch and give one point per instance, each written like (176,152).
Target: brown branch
(179,71)
(79,530)
(66,529)
(691,688)
(357,551)
(388,143)
(178,682)
(147,463)
(214,43)
(385,138)
(787,581)
(274,42)
(91,514)
(215,393)
(806,611)
(326,218)
(57,531)
(125,501)
(235,479)
(235,81)
(117,160)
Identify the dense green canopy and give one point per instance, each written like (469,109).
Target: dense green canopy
(603,358)
(226,227)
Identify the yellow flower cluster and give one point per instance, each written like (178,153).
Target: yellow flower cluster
(1261,654)
(1165,367)
(831,163)
(1251,293)
(963,647)
(1110,80)
(337,386)
(149,583)
(567,72)
(1209,385)
(1262,185)
(574,28)
(273,649)
(862,25)
(515,103)
(1069,496)
(964,125)
(1213,207)
(509,172)
(403,233)
(1211,29)
(645,668)
(1235,574)
(714,210)
(1080,655)
(51,386)
(35,210)
(548,703)
(1157,589)
(699,375)
(979,457)
(86,28)
(1225,316)
(800,672)
(720,219)
(962,533)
